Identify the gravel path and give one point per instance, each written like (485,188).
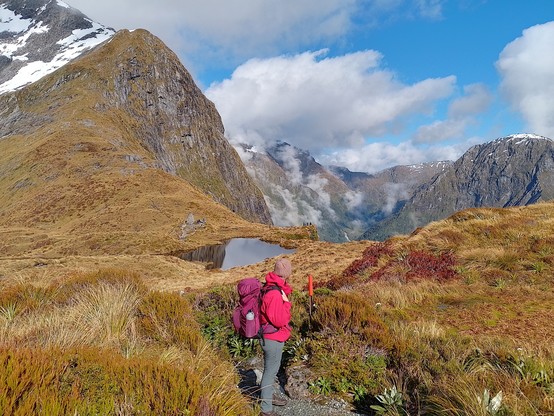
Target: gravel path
(294,407)
(308,408)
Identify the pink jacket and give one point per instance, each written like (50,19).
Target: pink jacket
(275,310)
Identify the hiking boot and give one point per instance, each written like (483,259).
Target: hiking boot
(279,401)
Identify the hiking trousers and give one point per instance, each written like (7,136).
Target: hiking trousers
(273,351)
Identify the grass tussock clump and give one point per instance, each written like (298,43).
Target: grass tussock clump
(168,319)
(346,312)
(102,344)
(56,382)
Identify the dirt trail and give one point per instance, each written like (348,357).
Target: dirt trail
(250,378)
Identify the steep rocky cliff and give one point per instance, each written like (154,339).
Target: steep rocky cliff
(510,171)
(116,149)
(136,78)
(173,119)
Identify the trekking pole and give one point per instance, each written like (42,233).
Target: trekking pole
(311,294)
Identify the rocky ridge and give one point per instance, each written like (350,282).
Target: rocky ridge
(112,152)
(511,171)
(139,76)
(174,120)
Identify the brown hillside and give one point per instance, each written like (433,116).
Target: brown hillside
(89,167)
(103,162)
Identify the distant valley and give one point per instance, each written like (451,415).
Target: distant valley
(511,171)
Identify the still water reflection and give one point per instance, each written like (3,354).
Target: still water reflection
(235,252)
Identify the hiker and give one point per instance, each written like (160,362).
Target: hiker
(275,311)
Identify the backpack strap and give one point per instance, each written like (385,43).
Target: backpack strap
(267,288)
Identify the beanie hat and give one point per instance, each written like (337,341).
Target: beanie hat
(283,268)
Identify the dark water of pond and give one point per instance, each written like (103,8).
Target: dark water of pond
(235,252)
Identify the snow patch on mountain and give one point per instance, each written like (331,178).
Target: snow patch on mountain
(522,138)
(30,48)
(10,22)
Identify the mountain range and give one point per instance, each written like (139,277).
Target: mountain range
(509,171)
(96,123)
(517,170)
(342,203)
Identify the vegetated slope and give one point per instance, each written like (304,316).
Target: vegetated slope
(112,153)
(511,171)
(437,322)
(495,258)
(102,343)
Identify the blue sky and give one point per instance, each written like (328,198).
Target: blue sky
(366,84)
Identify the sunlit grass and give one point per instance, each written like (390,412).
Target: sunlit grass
(115,346)
(400,296)
(457,344)
(441,342)
(105,313)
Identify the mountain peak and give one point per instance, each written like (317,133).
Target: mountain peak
(39,36)
(122,144)
(525,136)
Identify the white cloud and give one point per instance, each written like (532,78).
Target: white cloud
(443,130)
(353,199)
(316,102)
(294,211)
(225,29)
(476,100)
(430,8)
(394,193)
(229,32)
(527,69)
(291,164)
(317,184)
(375,157)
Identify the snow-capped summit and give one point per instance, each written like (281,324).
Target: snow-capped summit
(524,137)
(39,36)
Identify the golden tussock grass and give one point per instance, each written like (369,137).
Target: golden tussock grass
(103,343)
(422,331)
(399,296)
(487,328)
